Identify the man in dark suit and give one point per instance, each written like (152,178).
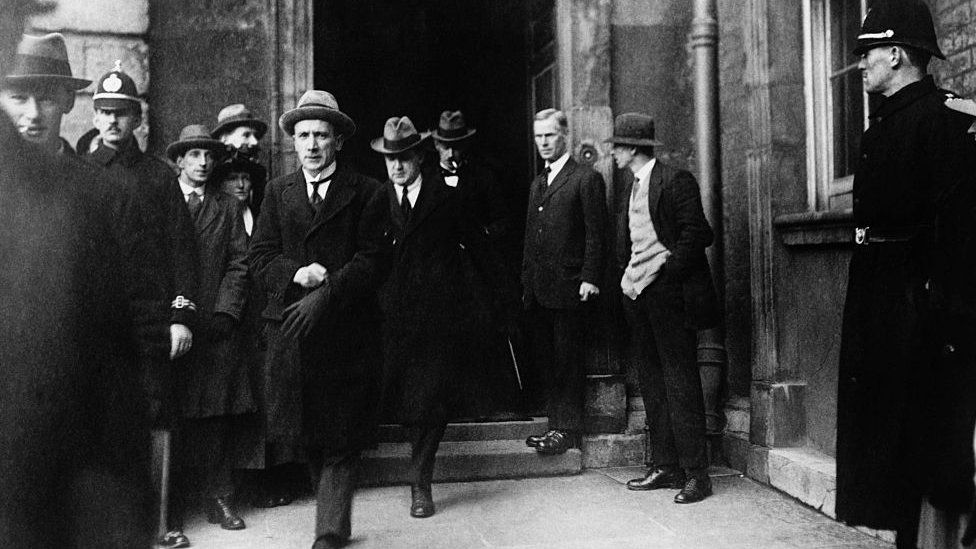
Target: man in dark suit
(561,265)
(668,296)
(318,252)
(214,388)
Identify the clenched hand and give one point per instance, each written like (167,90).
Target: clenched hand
(180,340)
(302,315)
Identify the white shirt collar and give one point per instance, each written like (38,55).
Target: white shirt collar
(186,189)
(645,172)
(554,167)
(324,174)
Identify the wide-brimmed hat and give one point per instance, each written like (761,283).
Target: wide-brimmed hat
(399,134)
(633,128)
(898,22)
(236,115)
(44,59)
(116,90)
(451,127)
(317,105)
(238,164)
(194,136)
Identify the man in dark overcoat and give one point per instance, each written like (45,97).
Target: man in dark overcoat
(915,171)
(214,388)
(428,302)
(562,263)
(668,295)
(318,252)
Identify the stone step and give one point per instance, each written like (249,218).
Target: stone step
(459,432)
(469,460)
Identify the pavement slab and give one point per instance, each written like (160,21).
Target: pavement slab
(592,510)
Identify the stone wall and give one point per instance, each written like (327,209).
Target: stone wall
(954,20)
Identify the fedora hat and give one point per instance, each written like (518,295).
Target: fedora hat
(43,59)
(399,134)
(116,90)
(451,127)
(633,128)
(194,136)
(236,115)
(898,22)
(317,105)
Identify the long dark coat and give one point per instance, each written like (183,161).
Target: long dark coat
(213,378)
(565,230)
(323,390)
(431,307)
(674,202)
(171,259)
(915,159)
(75,435)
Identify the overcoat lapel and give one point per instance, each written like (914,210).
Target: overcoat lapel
(395,213)
(431,194)
(208,212)
(296,200)
(339,195)
(561,179)
(655,185)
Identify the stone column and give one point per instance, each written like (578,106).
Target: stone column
(293,66)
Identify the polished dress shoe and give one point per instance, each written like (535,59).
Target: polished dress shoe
(659,477)
(173,539)
(533,440)
(421,502)
(220,512)
(556,442)
(328,541)
(696,489)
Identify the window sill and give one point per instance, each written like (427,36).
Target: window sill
(827,228)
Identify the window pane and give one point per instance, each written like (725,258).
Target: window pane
(848,118)
(845,24)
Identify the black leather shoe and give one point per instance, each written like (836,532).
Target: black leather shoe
(534,440)
(659,477)
(421,502)
(173,539)
(696,489)
(219,511)
(556,442)
(328,541)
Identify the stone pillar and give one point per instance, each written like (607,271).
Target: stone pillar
(583,58)
(293,73)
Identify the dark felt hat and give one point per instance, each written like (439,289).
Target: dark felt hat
(44,60)
(194,136)
(238,164)
(451,127)
(898,22)
(317,105)
(236,115)
(633,128)
(116,90)
(399,134)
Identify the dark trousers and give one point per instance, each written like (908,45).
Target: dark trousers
(424,440)
(668,371)
(558,352)
(335,477)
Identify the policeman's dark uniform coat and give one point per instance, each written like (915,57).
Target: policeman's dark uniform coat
(74,460)
(564,245)
(915,171)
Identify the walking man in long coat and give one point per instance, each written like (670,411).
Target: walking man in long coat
(318,252)
(916,163)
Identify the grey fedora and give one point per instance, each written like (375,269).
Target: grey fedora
(399,134)
(452,127)
(317,105)
(194,136)
(236,115)
(633,128)
(44,59)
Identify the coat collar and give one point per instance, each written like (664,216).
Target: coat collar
(341,192)
(433,190)
(561,178)
(127,155)
(208,210)
(904,97)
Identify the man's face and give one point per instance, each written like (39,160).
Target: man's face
(238,185)
(242,138)
(451,153)
(622,155)
(316,144)
(403,168)
(876,69)
(196,165)
(549,139)
(115,126)
(36,111)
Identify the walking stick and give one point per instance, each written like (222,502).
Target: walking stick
(511,352)
(162,443)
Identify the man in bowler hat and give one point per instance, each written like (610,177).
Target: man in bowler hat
(318,252)
(668,296)
(562,264)
(905,329)
(39,90)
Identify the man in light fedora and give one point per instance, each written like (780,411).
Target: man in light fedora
(668,295)
(318,251)
(40,90)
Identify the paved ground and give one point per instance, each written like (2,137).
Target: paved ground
(588,511)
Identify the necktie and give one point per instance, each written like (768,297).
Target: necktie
(316,198)
(544,182)
(193,203)
(405,207)
(633,195)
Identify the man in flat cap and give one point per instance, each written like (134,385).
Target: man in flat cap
(902,328)
(561,266)
(668,295)
(40,90)
(318,252)
(429,304)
